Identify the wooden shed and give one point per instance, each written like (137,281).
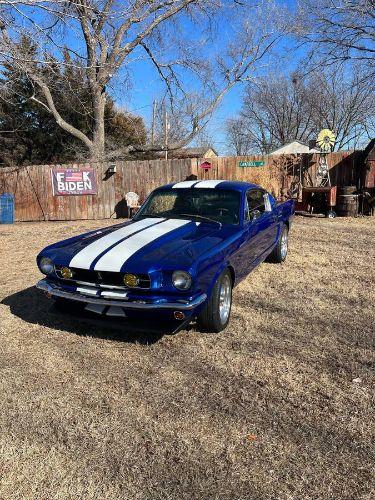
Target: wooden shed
(368,172)
(368,178)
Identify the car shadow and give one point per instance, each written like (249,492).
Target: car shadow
(32,306)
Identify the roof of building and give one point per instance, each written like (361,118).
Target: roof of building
(369,149)
(289,149)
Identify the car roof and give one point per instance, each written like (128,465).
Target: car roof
(211,184)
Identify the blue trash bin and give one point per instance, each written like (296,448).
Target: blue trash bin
(6,208)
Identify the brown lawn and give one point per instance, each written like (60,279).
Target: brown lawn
(279,406)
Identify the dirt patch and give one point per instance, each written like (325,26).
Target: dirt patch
(280,405)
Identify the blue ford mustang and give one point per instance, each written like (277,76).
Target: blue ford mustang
(178,258)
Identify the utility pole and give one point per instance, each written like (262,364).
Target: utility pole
(166,131)
(153,122)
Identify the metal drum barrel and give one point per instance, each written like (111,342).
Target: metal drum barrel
(6,208)
(347,202)
(347,189)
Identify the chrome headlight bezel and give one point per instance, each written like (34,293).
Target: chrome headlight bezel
(46,265)
(181,280)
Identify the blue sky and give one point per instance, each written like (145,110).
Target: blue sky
(138,84)
(146,85)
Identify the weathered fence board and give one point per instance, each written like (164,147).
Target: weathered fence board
(279,170)
(34,199)
(229,168)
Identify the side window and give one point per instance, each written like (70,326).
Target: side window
(247,211)
(256,200)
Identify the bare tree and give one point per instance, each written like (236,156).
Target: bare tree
(338,30)
(278,111)
(239,139)
(104,36)
(204,139)
(344,104)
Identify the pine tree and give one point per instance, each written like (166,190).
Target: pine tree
(28,132)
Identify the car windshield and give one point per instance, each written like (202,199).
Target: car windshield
(210,205)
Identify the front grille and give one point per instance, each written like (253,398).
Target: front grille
(104,277)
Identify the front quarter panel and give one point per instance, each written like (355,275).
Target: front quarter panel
(211,264)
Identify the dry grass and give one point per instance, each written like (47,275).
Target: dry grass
(268,409)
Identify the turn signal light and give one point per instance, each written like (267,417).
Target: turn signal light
(130,280)
(66,273)
(179,315)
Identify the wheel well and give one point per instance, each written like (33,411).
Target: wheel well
(232,274)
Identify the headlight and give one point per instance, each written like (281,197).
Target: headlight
(46,265)
(181,280)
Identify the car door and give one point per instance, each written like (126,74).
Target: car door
(263,224)
(250,246)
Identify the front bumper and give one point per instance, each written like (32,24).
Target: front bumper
(54,289)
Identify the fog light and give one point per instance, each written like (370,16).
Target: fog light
(66,273)
(179,315)
(130,280)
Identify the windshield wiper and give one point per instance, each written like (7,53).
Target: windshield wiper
(202,217)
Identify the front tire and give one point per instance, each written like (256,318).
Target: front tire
(279,253)
(216,314)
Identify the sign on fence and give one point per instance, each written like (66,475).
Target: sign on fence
(251,163)
(73,181)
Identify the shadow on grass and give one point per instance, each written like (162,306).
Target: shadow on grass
(32,306)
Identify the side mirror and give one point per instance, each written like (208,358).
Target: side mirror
(255,214)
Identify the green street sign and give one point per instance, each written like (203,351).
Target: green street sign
(251,163)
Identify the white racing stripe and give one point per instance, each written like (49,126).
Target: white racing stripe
(207,184)
(115,258)
(184,184)
(85,257)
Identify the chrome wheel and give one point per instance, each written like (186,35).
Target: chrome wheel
(284,244)
(225,298)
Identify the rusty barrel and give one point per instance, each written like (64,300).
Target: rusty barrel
(347,201)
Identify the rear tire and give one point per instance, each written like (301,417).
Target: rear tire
(279,253)
(216,314)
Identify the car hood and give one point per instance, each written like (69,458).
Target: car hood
(139,246)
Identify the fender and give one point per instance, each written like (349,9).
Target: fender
(220,269)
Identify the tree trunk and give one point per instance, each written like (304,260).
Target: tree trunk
(97,150)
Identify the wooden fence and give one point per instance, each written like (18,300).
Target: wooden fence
(34,199)
(280,171)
